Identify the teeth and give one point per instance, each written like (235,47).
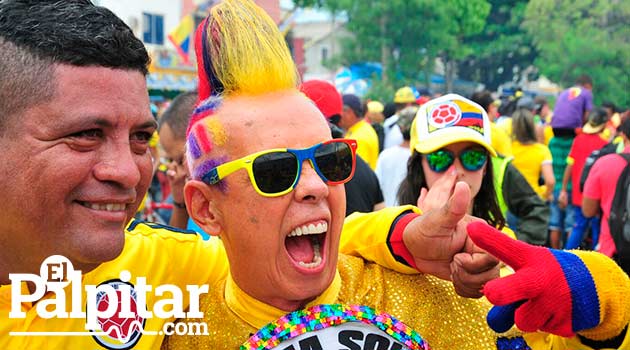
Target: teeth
(317,258)
(310,229)
(106,206)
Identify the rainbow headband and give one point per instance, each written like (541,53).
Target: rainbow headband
(324,316)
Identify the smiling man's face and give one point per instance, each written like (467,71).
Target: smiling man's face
(76,167)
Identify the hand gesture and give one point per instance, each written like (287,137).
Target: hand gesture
(551,290)
(440,246)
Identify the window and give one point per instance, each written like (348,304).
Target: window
(153,29)
(324,54)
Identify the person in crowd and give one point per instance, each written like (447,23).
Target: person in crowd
(404,97)
(501,141)
(391,167)
(599,191)
(75,133)
(531,158)
(614,118)
(356,127)
(561,219)
(363,192)
(172,129)
(374,115)
(273,196)
(572,106)
(515,196)
(590,139)
(543,115)
(444,153)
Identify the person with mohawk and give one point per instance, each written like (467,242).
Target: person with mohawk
(75,127)
(266,178)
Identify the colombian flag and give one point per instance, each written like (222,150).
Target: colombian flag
(181,37)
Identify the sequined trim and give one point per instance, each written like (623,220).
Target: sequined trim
(324,316)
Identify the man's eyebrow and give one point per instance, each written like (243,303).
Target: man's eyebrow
(148,124)
(105,123)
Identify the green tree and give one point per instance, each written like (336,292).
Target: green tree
(406,36)
(465,18)
(502,49)
(576,37)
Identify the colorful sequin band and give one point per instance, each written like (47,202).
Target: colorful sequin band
(324,316)
(517,343)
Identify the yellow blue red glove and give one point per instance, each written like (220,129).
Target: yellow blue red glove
(554,291)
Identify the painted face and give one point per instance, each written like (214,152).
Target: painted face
(472,178)
(272,258)
(76,168)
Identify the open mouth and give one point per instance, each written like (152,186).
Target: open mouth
(305,245)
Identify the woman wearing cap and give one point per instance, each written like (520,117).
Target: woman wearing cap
(450,141)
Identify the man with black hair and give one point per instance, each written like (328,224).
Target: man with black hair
(356,127)
(74,131)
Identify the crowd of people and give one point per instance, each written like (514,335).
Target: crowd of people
(257,161)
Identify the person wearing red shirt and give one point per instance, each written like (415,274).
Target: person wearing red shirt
(584,144)
(599,189)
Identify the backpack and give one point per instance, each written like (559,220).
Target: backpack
(619,219)
(590,160)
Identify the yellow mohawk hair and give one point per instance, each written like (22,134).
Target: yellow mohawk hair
(248,53)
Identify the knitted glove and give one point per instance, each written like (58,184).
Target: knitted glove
(552,290)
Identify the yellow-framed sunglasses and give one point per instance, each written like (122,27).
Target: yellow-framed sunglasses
(276,172)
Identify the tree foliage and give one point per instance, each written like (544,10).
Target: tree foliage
(406,36)
(491,40)
(502,49)
(577,37)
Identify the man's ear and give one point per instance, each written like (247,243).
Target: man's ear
(201,207)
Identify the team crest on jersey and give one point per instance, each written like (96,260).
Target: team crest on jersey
(444,115)
(120,332)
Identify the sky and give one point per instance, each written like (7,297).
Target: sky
(306,15)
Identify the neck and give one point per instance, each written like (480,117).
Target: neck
(355,122)
(405,144)
(288,305)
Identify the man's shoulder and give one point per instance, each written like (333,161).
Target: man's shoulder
(607,166)
(155,231)
(612,158)
(367,130)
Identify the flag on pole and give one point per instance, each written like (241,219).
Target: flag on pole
(181,37)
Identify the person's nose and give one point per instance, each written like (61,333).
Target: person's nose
(311,187)
(118,164)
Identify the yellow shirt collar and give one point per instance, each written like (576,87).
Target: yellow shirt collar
(257,314)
